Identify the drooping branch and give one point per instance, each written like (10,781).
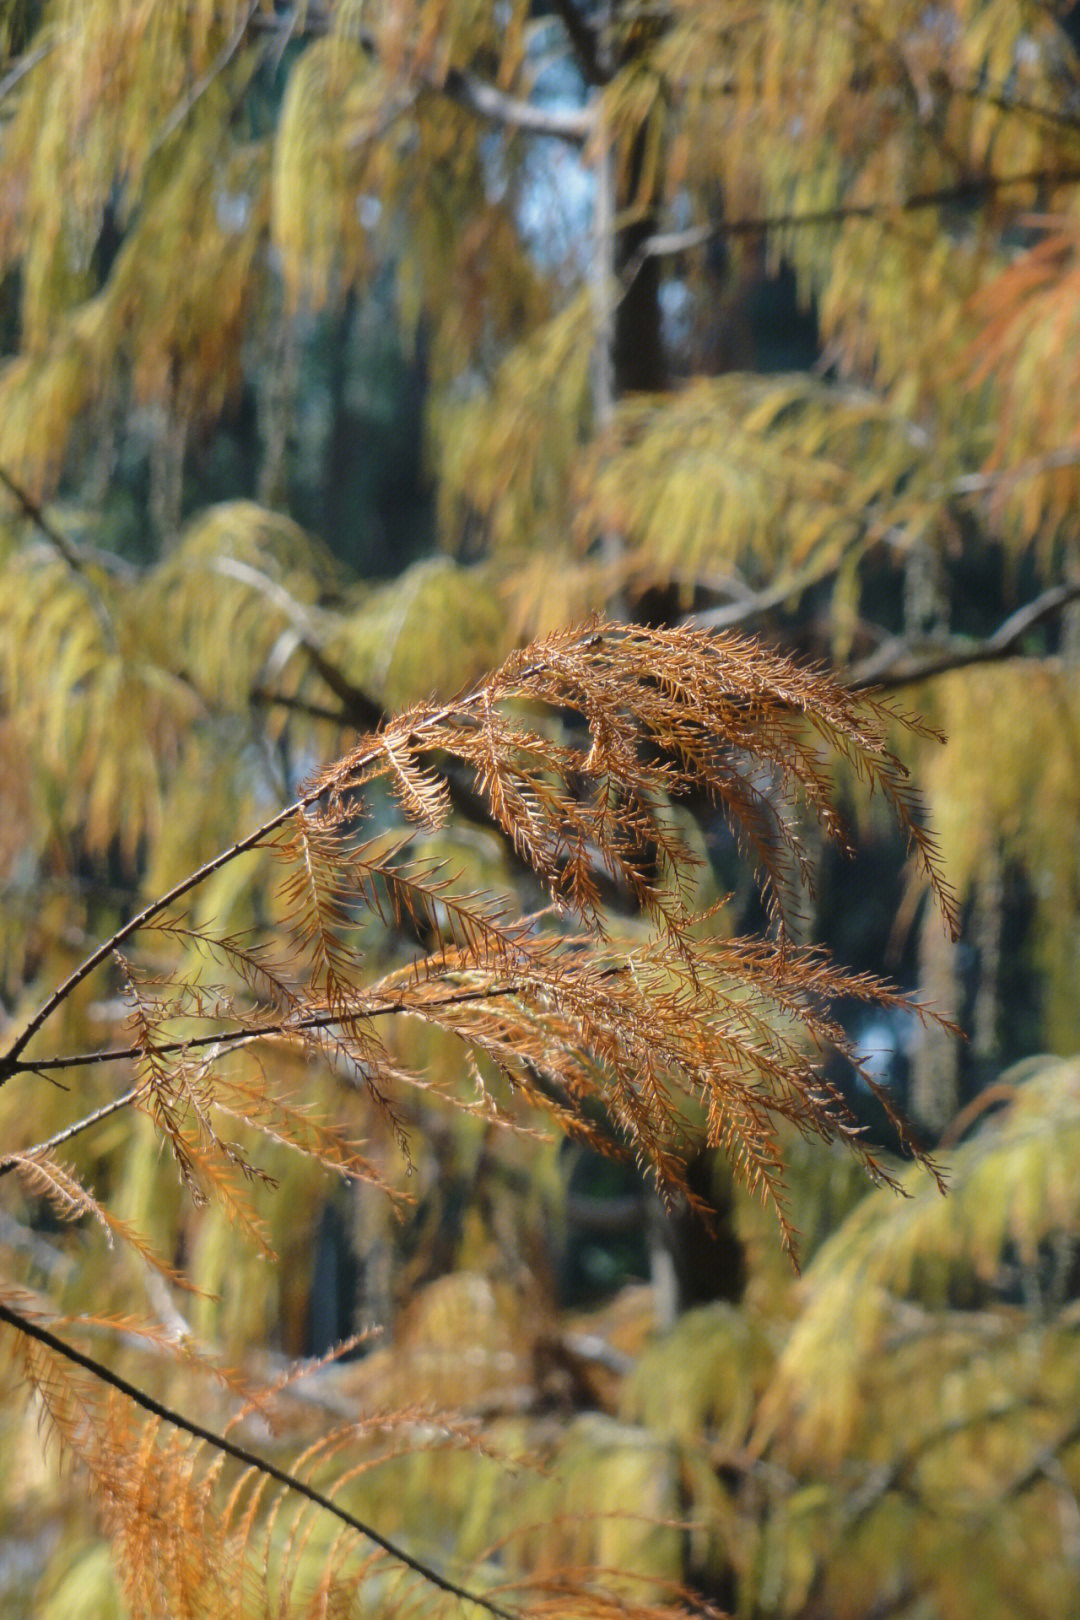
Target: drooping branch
(359,710)
(30,508)
(467,89)
(896,663)
(183,109)
(665,244)
(668,713)
(573,124)
(223,1446)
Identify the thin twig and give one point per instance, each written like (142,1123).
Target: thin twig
(895,664)
(244,1036)
(69,552)
(217,67)
(9,1063)
(250,1459)
(22,67)
(664,244)
(69,1131)
(72,555)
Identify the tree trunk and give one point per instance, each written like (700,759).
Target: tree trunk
(935,1064)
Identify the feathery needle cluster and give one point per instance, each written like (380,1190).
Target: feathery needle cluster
(581,746)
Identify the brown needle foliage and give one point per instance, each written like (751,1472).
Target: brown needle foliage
(581,746)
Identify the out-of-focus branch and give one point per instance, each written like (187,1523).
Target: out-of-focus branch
(184,108)
(71,554)
(23,64)
(729,615)
(465,88)
(583,40)
(896,663)
(573,124)
(667,243)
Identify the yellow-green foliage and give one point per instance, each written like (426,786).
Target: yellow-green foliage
(1028,350)
(168,323)
(771,475)
(315,217)
(612,1502)
(1003,789)
(96,106)
(703,1377)
(796,110)
(88,1590)
(807,108)
(435,629)
(115,678)
(509,454)
(1012,1200)
(925,1400)
(101,723)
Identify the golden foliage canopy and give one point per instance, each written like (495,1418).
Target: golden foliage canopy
(890,154)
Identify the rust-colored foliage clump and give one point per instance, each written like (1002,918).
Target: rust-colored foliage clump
(581,748)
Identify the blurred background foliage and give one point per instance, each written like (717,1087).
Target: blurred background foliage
(344,345)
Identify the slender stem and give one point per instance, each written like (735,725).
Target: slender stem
(70,553)
(250,1459)
(9,1063)
(182,110)
(603,275)
(233,1039)
(76,1129)
(24,64)
(663,244)
(287,1026)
